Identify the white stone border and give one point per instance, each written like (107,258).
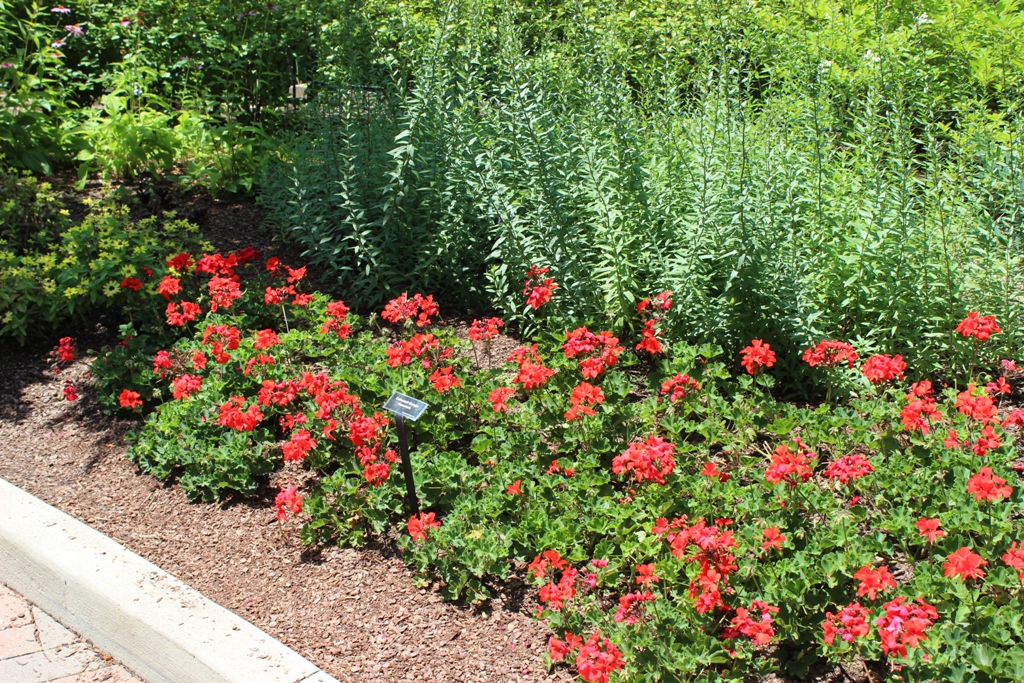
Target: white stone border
(164,630)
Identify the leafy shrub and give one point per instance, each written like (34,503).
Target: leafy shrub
(706,530)
(834,197)
(31,214)
(87,267)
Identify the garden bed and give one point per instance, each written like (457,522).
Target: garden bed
(355,613)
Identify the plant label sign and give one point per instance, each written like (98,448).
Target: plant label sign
(406,406)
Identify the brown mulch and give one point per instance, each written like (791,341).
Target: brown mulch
(354,612)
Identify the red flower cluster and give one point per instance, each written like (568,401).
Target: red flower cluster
(583,398)
(980,407)
(929,528)
(488,328)
(233,417)
(849,624)
(367,434)
(980,327)
(186,385)
(66,349)
(70,393)
(223,336)
(987,486)
(746,623)
(337,311)
(555,594)
(536,289)
(421,524)
(872,581)
(679,387)
(649,460)
(181,263)
(649,313)
(180,314)
(532,372)
(773,538)
(403,308)
(848,468)
(629,607)
(265,339)
(964,563)
(583,342)
(129,399)
(712,472)
(712,550)
(444,381)
(881,368)
(288,498)
(301,443)
(757,357)
(597,658)
(169,287)
(790,467)
(829,353)
(1014,557)
(132,283)
(223,292)
(904,624)
(498,398)
(921,410)
(402,353)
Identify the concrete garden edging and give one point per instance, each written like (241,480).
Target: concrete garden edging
(163,629)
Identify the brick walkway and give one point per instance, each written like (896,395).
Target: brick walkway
(36,649)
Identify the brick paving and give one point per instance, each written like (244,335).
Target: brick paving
(36,649)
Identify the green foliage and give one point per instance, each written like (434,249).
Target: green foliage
(82,269)
(31,213)
(834,171)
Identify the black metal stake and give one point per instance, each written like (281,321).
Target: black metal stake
(410,484)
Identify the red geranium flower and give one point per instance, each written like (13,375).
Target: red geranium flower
(849,624)
(488,328)
(773,538)
(848,468)
(872,581)
(299,446)
(185,386)
(130,399)
(583,398)
(444,381)
(881,368)
(132,283)
(987,486)
(420,525)
(597,658)
(904,624)
(1014,557)
(979,327)
(829,353)
(288,498)
(538,290)
(929,528)
(757,357)
(964,563)
(649,460)
(498,398)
